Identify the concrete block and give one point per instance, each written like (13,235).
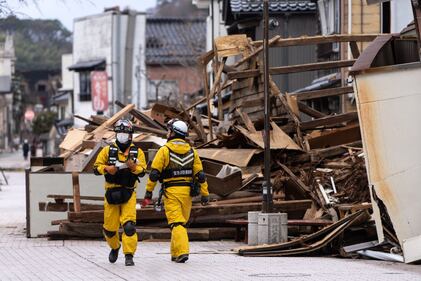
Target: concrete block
(252,228)
(272,228)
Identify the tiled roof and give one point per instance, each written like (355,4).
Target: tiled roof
(275,6)
(174,40)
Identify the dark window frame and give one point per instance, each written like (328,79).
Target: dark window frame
(85,85)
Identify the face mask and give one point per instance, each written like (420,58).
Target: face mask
(122,137)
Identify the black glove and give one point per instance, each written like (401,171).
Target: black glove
(204,200)
(148,195)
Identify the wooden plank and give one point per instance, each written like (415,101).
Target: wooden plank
(336,137)
(145,129)
(310,67)
(257,51)
(199,133)
(293,104)
(198,210)
(86,120)
(354,49)
(145,119)
(230,45)
(329,120)
(98,132)
(247,122)
(292,69)
(206,58)
(310,111)
(88,164)
(331,92)
(207,95)
(320,39)
(63,197)
(76,191)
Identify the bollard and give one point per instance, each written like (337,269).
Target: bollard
(252,228)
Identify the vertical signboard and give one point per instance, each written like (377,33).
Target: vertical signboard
(99,90)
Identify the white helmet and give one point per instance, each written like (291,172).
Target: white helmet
(179,127)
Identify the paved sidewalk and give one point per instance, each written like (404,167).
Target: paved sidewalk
(40,259)
(13,161)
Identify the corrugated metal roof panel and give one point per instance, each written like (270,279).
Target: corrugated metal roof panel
(282,6)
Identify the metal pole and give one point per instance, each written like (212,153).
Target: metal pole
(267,186)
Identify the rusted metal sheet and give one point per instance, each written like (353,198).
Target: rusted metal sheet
(388,101)
(367,58)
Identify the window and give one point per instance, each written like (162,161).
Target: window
(85,85)
(41,87)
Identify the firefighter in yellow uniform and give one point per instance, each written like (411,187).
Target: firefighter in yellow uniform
(179,169)
(122,163)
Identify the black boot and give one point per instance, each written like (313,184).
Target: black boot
(129,260)
(113,256)
(182,258)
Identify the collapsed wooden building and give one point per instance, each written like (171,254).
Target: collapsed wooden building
(318,170)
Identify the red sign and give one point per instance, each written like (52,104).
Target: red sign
(99,90)
(29,114)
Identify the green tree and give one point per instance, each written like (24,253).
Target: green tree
(39,44)
(43,122)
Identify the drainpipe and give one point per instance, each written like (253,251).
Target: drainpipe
(117,59)
(128,58)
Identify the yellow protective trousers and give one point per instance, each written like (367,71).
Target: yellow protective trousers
(116,215)
(177,209)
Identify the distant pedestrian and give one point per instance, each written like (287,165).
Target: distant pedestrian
(25,148)
(34,149)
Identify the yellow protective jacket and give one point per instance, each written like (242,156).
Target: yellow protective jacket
(102,161)
(162,159)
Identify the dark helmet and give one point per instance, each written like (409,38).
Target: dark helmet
(123,126)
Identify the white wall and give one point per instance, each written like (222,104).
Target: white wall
(91,40)
(66,74)
(6,67)
(218,28)
(104,36)
(401,14)
(40,186)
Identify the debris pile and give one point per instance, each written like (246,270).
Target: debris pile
(318,169)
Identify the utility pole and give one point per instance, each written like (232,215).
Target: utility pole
(267,205)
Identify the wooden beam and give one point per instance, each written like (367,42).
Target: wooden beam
(91,122)
(310,111)
(198,210)
(76,192)
(145,119)
(98,132)
(247,121)
(310,67)
(257,51)
(354,49)
(329,120)
(324,93)
(145,129)
(320,39)
(206,58)
(292,69)
(207,95)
